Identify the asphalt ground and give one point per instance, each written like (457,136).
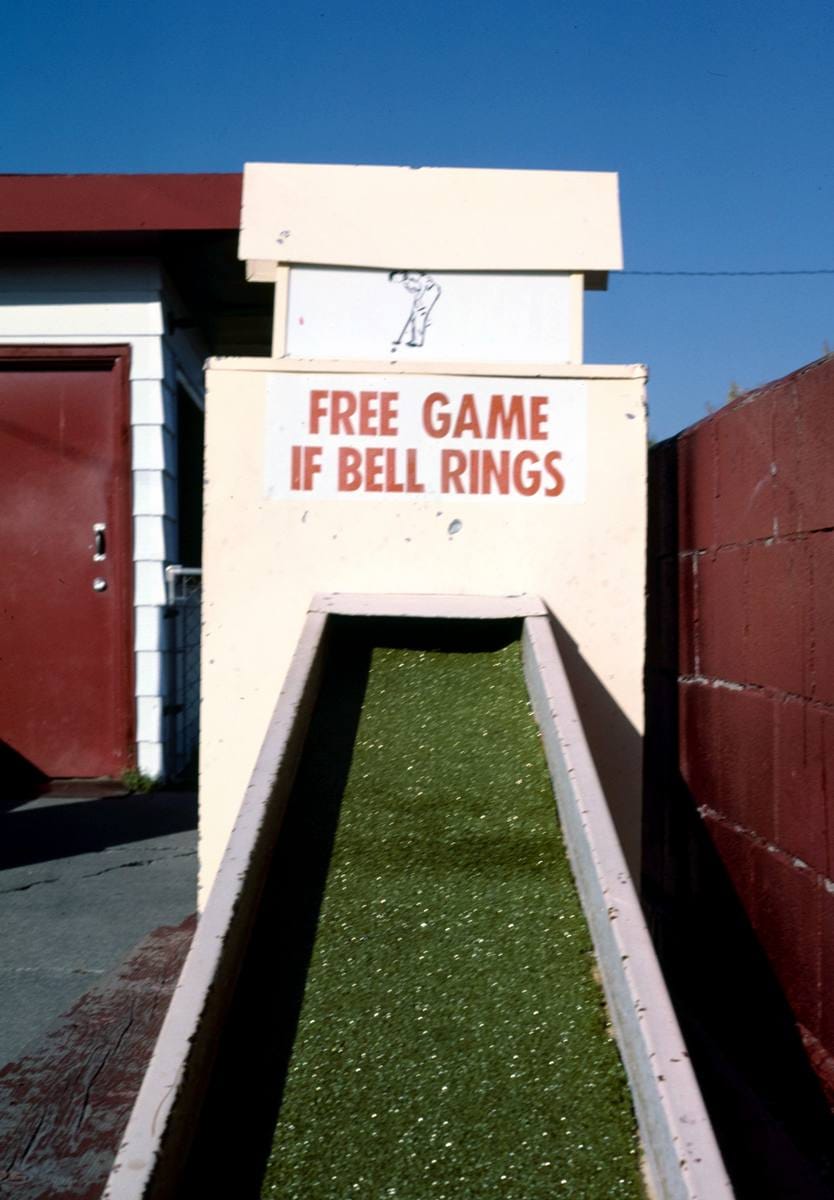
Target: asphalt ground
(82,880)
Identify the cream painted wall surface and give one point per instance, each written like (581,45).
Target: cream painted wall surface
(585,560)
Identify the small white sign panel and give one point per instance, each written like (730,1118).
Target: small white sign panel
(447,316)
(349,437)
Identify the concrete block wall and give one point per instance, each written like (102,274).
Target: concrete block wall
(741,582)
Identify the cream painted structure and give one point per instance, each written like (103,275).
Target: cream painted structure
(510,227)
(282,518)
(429,218)
(265,559)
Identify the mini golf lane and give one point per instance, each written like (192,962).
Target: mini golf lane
(452,1042)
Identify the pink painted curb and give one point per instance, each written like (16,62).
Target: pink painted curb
(682,1155)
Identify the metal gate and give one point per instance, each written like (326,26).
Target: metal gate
(184,588)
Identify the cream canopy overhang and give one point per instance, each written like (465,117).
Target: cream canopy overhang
(429,218)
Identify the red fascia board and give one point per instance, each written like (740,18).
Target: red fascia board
(119,203)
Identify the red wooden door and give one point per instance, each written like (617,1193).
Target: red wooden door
(66,679)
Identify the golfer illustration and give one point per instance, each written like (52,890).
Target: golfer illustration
(424,295)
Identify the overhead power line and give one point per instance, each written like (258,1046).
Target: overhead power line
(732,274)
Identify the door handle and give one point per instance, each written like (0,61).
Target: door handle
(99,542)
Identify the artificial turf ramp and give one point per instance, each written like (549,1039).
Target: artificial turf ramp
(452,1042)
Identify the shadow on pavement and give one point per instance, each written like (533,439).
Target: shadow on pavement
(20,779)
(61,829)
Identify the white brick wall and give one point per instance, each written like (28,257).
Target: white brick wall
(116,302)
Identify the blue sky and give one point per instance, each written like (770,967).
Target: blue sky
(717,116)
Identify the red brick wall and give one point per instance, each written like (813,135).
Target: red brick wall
(743,517)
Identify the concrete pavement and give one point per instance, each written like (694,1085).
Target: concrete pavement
(82,880)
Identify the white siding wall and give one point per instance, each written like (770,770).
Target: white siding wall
(124,302)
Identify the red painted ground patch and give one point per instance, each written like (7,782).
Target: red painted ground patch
(65,1103)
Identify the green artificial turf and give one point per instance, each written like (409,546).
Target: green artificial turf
(452,1043)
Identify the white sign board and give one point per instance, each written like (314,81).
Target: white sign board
(448,316)
(348,437)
